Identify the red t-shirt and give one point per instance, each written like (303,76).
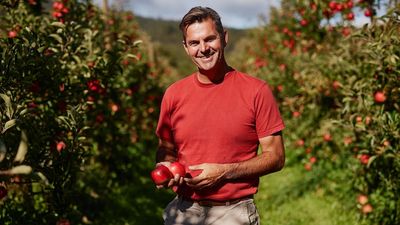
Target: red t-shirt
(218,123)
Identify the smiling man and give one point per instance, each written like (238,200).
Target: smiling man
(213,122)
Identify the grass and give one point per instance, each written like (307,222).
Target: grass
(287,198)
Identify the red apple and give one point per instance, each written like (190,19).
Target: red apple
(336,84)
(364,159)
(57,14)
(90,64)
(303,22)
(300,142)
(332,5)
(308,166)
(386,143)
(177,168)
(347,140)
(327,137)
(58,6)
(339,7)
(346,31)
(350,16)
(350,4)
(296,114)
(63,222)
(65,10)
(12,34)
(3,192)
(161,175)
(114,107)
(367,208)
(313,6)
(60,146)
(380,97)
(362,199)
(368,12)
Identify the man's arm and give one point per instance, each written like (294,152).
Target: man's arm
(271,159)
(166,152)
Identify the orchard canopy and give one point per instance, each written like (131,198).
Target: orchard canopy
(80,88)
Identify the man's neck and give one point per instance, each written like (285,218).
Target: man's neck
(213,76)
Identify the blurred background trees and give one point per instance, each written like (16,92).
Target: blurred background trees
(80,88)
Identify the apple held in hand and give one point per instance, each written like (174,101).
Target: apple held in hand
(177,168)
(161,175)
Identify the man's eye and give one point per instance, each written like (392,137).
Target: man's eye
(211,39)
(193,44)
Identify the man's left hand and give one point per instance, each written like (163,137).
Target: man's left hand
(211,175)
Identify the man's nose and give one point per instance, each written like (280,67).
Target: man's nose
(204,47)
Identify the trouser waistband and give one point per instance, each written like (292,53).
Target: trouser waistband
(209,203)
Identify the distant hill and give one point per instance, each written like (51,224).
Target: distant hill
(168,39)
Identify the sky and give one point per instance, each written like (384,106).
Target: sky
(233,13)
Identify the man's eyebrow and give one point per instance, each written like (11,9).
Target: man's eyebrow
(211,36)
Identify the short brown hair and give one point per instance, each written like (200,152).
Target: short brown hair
(199,14)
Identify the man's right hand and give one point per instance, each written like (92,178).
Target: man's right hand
(175,181)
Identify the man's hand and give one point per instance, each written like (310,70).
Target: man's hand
(211,175)
(177,180)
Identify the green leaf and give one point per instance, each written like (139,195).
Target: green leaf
(57,37)
(371,159)
(58,24)
(8,125)
(82,138)
(22,148)
(23,112)
(137,43)
(22,169)
(77,59)
(43,177)
(55,50)
(132,56)
(9,109)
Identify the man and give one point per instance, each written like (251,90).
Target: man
(213,122)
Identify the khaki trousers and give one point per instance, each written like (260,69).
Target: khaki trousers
(182,212)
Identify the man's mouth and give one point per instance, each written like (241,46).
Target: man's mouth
(205,57)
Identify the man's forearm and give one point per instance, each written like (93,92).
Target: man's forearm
(166,152)
(260,165)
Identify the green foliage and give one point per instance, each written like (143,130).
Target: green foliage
(301,199)
(338,89)
(79,96)
(79,104)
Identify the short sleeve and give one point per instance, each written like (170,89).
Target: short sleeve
(267,116)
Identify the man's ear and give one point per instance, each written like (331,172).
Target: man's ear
(226,38)
(185,47)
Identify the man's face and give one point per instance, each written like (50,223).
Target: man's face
(204,45)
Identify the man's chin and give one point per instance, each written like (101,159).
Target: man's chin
(206,66)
